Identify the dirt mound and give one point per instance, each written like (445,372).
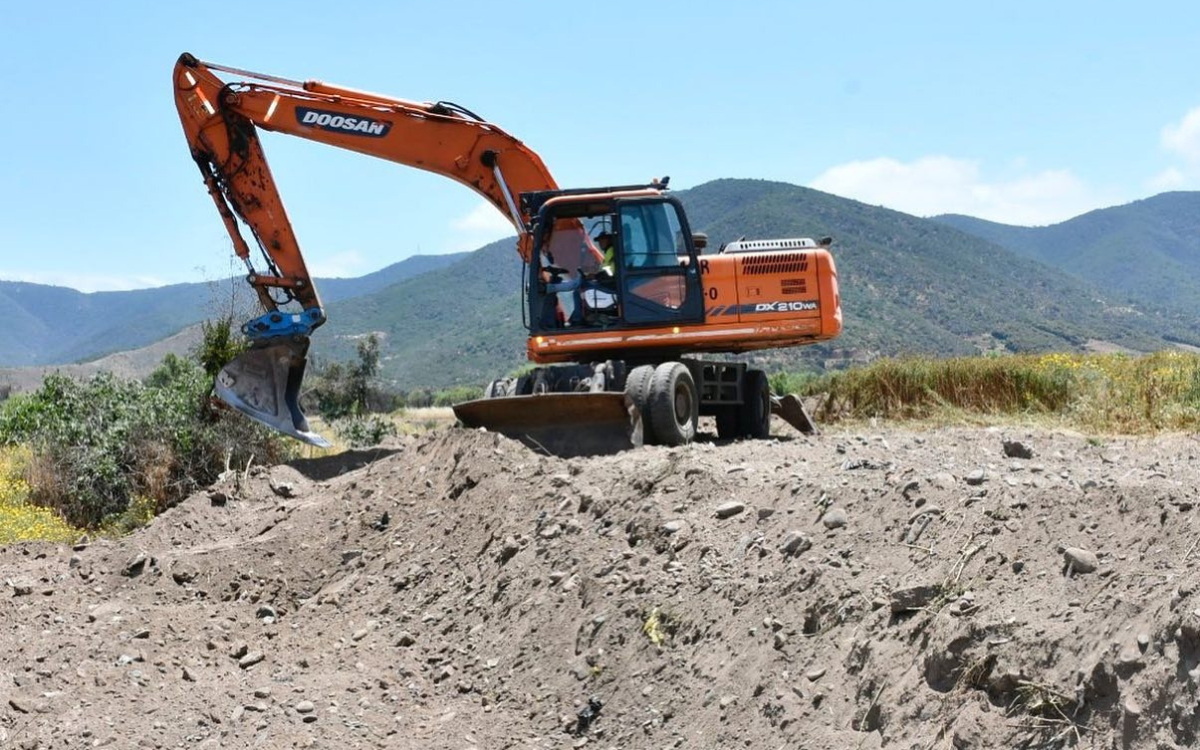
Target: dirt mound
(950,589)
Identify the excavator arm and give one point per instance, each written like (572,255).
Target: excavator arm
(221,121)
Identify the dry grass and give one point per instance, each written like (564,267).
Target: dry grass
(21,521)
(1099,393)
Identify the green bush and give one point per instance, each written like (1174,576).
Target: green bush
(99,444)
(364,432)
(457,394)
(344,389)
(419,398)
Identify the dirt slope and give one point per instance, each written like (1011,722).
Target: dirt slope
(884,589)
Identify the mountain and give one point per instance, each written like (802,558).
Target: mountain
(909,285)
(1147,252)
(47,325)
(459,324)
(132,363)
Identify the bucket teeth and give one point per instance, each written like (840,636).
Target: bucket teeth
(264,384)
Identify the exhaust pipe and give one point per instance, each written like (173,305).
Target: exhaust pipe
(264,384)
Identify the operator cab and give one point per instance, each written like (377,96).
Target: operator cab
(611,258)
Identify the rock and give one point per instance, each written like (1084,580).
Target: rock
(262,692)
(135,565)
(795,543)
(780,641)
(1131,708)
(406,639)
(305,707)
(1143,641)
(862,463)
(1079,560)
(238,650)
(943,480)
(184,574)
(188,675)
(266,612)
(834,518)
(673,527)
(730,509)
(765,513)
(815,674)
(360,634)
(975,478)
(21,588)
(250,659)
(283,489)
(1017,449)
(913,598)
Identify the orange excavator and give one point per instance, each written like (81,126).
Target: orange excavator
(618,293)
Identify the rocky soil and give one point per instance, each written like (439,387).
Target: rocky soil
(964,588)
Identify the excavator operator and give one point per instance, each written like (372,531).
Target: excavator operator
(604,241)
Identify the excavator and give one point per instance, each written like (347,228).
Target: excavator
(618,294)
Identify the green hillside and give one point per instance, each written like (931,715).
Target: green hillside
(47,325)
(909,285)
(1146,252)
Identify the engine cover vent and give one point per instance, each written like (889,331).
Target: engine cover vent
(794,286)
(775,263)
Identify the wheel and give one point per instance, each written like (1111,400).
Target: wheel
(727,422)
(754,417)
(674,407)
(499,388)
(637,387)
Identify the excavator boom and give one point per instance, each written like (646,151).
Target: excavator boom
(221,121)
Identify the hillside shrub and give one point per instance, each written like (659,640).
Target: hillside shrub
(100,445)
(364,431)
(419,398)
(457,394)
(344,389)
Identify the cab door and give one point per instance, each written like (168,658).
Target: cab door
(659,273)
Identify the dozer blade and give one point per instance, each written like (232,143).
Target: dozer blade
(790,409)
(564,424)
(264,384)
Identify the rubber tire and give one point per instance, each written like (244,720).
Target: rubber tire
(674,404)
(637,387)
(754,416)
(727,422)
(499,388)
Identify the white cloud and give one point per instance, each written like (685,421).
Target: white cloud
(84,282)
(1168,179)
(484,218)
(483,224)
(935,185)
(1183,137)
(339,266)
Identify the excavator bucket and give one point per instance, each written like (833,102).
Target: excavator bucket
(264,384)
(564,424)
(791,409)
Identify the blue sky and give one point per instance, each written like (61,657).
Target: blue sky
(1024,112)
